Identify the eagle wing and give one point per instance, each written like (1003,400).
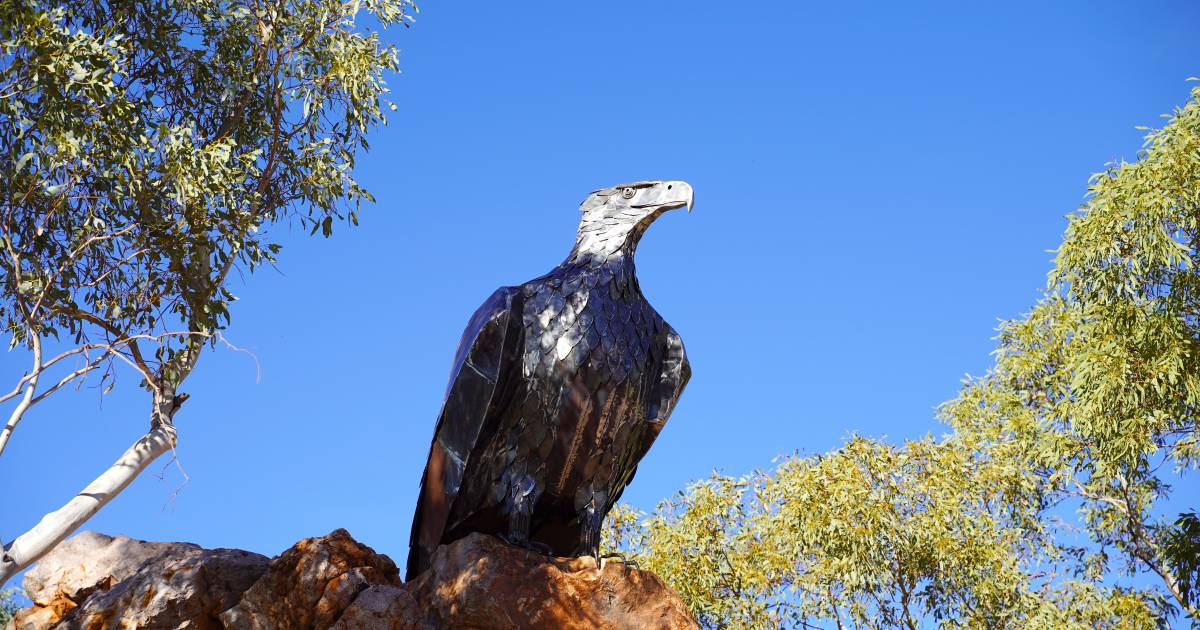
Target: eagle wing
(665,390)
(483,370)
(676,371)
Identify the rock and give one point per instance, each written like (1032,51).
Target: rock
(187,590)
(479,582)
(482,582)
(86,562)
(98,581)
(381,608)
(34,617)
(312,584)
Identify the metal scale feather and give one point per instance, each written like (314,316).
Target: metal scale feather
(559,387)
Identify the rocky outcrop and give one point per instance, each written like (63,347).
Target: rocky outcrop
(481,582)
(94,581)
(97,581)
(312,584)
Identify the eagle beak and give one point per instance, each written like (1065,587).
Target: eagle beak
(680,193)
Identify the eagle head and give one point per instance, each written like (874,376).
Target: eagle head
(615,218)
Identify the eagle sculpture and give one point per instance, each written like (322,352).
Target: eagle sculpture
(558,389)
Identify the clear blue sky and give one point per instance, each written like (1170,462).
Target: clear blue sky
(876,185)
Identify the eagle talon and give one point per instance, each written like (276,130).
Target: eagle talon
(626,562)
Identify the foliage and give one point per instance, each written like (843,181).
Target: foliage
(870,535)
(8,606)
(148,148)
(1092,407)
(1181,550)
(1100,384)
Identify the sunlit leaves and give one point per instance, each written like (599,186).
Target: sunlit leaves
(1181,549)
(874,536)
(150,147)
(1091,407)
(8,605)
(1098,388)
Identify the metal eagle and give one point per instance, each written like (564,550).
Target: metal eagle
(558,389)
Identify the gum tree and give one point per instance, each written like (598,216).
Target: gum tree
(1100,383)
(874,536)
(146,149)
(8,606)
(1091,409)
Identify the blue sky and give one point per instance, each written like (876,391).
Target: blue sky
(877,184)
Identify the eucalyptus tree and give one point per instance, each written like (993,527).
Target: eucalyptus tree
(1054,481)
(1100,382)
(146,149)
(874,536)
(8,606)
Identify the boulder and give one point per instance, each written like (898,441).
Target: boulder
(312,584)
(98,581)
(482,582)
(381,608)
(95,581)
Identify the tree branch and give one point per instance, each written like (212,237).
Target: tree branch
(138,362)
(48,364)
(72,376)
(57,525)
(27,400)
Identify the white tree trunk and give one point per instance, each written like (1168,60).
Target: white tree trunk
(57,525)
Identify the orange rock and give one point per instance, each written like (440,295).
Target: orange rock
(311,584)
(482,582)
(479,582)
